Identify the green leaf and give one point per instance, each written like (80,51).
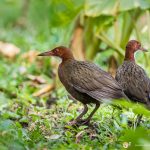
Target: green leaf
(64,11)
(136,108)
(6,124)
(94,8)
(11,115)
(128,4)
(136,139)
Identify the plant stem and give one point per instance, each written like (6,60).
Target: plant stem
(127,27)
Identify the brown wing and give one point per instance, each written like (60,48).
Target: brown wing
(135,82)
(90,79)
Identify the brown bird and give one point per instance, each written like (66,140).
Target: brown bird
(133,78)
(85,81)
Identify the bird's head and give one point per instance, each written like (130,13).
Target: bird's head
(131,47)
(134,46)
(61,52)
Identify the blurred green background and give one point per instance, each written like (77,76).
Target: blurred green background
(34,107)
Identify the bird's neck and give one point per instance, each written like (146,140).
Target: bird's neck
(66,61)
(67,57)
(129,55)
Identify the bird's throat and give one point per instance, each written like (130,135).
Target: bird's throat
(67,57)
(129,55)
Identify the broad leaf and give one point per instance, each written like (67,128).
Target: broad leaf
(128,4)
(94,8)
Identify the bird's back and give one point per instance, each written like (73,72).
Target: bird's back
(87,78)
(134,81)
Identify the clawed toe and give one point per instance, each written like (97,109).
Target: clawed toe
(79,122)
(84,122)
(72,123)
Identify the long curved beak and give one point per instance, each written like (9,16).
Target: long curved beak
(143,49)
(48,53)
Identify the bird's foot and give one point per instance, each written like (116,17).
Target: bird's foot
(79,122)
(84,122)
(73,123)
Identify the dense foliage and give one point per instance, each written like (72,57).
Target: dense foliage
(34,107)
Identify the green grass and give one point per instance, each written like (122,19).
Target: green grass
(28,122)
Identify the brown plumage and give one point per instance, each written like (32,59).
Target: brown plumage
(132,77)
(85,81)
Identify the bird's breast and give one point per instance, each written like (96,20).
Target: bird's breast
(64,73)
(64,77)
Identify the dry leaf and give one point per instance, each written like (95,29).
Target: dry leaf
(30,56)
(9,50)
(54,137)
(79,136)
(92,134)
(37,79)
(44,90)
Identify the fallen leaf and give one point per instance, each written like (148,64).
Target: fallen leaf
(30,56)
(54,137)
(79,136)
(38,79)
(44,90)
(92,134)
(32,126)
(9,50)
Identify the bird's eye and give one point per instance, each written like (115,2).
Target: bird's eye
(57,50)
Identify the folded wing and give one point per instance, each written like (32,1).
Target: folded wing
(90,79)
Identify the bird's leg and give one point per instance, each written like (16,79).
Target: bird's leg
(85,121)
(80,116)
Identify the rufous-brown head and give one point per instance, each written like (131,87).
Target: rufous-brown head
(62,52)
(131,47)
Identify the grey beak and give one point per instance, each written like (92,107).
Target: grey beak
(143,49)
(48,53)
